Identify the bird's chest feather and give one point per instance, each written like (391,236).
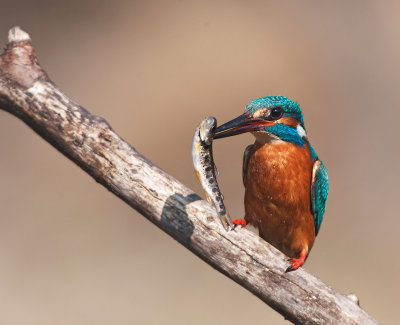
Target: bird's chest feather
(278,193)
(280,173)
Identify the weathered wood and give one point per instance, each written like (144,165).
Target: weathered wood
(89,141)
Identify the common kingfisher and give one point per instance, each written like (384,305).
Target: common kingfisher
(286,184)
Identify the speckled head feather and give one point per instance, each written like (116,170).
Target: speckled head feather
(274,115)
(290,108)
(264,106)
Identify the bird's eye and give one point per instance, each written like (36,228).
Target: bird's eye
(276,113)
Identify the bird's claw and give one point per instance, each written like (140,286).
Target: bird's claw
(239,222)
(295,263)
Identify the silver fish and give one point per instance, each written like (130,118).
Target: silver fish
(206,172)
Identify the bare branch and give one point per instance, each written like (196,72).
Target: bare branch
(89,141)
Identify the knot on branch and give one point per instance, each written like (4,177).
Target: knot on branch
(18,63)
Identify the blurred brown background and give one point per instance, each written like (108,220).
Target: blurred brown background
(72,253)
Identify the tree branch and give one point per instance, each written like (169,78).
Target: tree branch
(27,92)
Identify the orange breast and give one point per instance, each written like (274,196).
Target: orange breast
(278,195)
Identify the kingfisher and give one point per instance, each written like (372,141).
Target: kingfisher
(286,184)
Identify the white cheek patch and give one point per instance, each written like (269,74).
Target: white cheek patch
(301,131)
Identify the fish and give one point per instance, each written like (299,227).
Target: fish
(206,170)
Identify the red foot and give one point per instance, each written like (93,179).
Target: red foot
(297,262)
(239,222)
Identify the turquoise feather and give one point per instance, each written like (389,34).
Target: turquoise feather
(290,107)
(319,193)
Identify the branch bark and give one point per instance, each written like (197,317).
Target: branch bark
(27,92)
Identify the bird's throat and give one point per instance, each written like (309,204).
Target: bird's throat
(265,137)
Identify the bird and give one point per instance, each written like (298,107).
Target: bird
(286,184)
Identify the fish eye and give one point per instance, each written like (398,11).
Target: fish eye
(276,113)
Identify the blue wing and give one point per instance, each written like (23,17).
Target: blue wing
(319,192)
(246,155)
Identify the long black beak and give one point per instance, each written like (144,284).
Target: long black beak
(241,124)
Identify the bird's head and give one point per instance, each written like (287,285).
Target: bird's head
(275,116)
